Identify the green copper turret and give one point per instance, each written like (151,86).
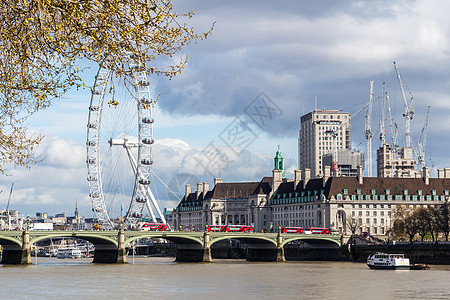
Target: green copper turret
(279,162)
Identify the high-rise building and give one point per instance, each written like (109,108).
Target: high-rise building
(321,131)
(396,162)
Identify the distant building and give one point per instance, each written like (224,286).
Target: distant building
(398,163)
(348,162)
(319,131)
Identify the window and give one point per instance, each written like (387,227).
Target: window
(372,192)
(360,213)
(388,192)
(358,192)
(353,213)
(345,191)
(367,221)
(374,213)
(367,213)
(419,192)
(382,213)
(405,192)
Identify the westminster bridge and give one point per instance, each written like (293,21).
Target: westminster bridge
(110,246)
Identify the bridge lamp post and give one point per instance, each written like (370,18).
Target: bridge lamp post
(35,255)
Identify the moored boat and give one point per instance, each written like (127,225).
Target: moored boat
(69,253)
(385,261)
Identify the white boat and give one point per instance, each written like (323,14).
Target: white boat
(69,253)
(385,261)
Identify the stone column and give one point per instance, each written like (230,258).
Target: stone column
(206,248)
(121,253)
(26,251)
(280,249)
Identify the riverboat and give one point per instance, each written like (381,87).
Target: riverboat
(385,261)
(69,253)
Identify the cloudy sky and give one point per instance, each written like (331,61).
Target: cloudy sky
(244,89)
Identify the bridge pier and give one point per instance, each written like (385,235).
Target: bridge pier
(206,248)
(187,253)
(26,251)
(121,251)
(280,249)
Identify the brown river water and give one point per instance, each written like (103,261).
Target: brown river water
(162,278)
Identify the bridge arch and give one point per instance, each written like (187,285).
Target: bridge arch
(315,241)
(250,239)
(94,239)
(177,239)
(7,240)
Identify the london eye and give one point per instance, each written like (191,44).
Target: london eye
(119,148)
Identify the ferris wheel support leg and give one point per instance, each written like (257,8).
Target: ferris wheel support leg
(155,205)
(150,210)
(134,166)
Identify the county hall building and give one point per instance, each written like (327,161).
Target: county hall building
(332,202)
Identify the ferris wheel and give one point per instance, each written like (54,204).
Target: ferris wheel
(119,148)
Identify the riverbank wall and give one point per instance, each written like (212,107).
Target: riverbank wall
(417,252)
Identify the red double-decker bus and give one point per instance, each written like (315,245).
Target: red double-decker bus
(154,227)
(216,228)
(239,228)
(292,230)
(229,228)
(318,230)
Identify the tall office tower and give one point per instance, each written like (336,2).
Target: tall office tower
(321,132)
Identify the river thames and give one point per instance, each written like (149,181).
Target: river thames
(162,278)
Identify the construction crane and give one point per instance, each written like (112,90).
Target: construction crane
(334,158)
(409,108)
(383,115)
(368,132)
(7,207)
(333,132)
(392,125)
(421,144)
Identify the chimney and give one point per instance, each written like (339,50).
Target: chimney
(307,172)
(447,173)
(326,174)
(205,188)
(441,173)
(359,174)
(297,178)
(187,190)
(276,179)
(199,190)
(217,180)
(426,175)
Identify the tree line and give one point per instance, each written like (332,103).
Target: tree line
(425,222)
